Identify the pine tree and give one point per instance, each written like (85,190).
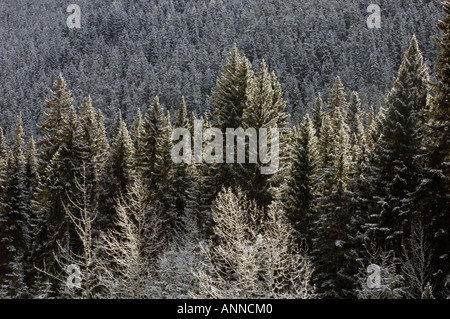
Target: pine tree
(229,96)
(203,186)
(394,154)
(31,183)
(137,129)
(56,113)
(354,120)
(15,233)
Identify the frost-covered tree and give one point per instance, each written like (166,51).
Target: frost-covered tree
(432,194)
(228,101)
(56,185)
(118,173)
(394,152)
(132,246)
(15,228)
(153,160)
(176,265)
(337,98)
(78,278)
(391,284)
(264,109)
(317,114)
(297,192)
(415,261)
(251,257)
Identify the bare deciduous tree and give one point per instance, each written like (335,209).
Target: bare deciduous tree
(132,246)
(415,261)
(251,257)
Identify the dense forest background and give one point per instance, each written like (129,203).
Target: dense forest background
(126,52)
(92,204)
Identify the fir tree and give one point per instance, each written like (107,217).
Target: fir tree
(60,159)
(94,144)
(153,159)
(56,112)
(137,129)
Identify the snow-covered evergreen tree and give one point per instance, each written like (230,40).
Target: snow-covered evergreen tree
(15,238)
(264,109)
(394,154)
(432,195)
(118,173)
(317,114)
(297,193)
(228,101)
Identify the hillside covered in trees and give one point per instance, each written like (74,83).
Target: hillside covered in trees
(93,204)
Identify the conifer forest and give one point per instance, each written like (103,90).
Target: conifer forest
(221,149)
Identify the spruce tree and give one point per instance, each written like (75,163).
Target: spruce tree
(298,190)
(395,150)
(180,174)
(56,112)
(432,194)
(317,114)
(94,144)
(15,233)
(332,215)
(264,109)
(153,158)
(118,173)
(228,101)
(55,188)
(137,129)
(60,159)
(337,98)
